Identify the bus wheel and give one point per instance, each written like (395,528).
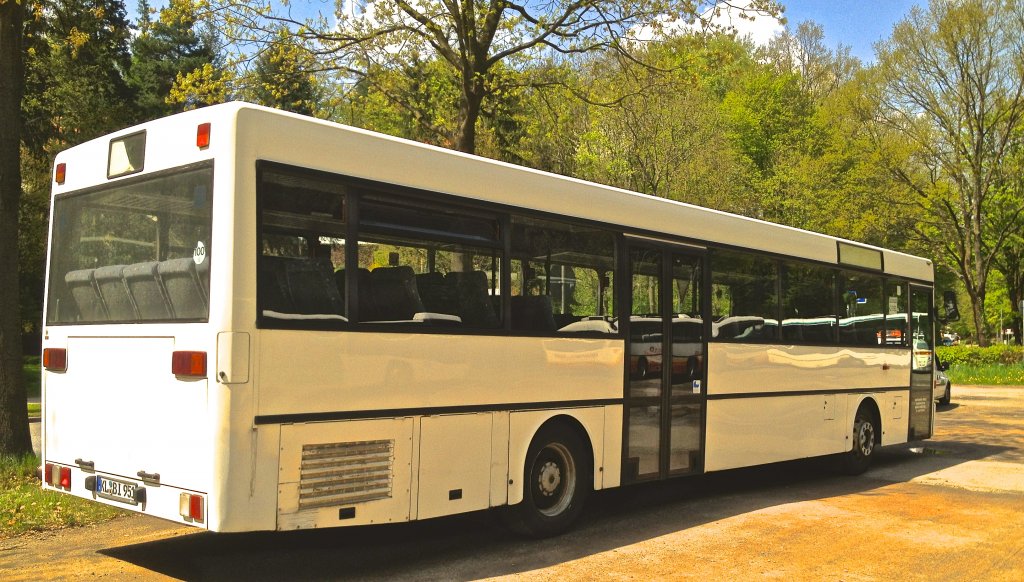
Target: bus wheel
(557,480)
(864,430)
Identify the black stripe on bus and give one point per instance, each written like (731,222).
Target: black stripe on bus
(777,394)
(427,411)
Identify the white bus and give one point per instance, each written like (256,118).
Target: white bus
(256,320)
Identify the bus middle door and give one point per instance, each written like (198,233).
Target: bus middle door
(666,343)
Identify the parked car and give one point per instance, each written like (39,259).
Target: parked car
(942,387)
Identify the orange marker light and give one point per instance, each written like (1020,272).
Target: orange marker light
(203,136)
(61,173)
(192,364)
(55,359)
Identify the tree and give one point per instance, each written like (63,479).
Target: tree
(75,87)
(284,76)
(162,51)
(953,82)
(1009,261)
(473,37)
(769,123)
(14,432)
(821,70)
(76,56)
(660,129)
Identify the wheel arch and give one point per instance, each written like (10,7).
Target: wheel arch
(587,423)
(869,404)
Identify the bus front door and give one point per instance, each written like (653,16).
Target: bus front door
(666,343)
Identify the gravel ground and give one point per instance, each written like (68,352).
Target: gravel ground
(951,508)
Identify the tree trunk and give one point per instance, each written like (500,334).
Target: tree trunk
(978,312)
(14,432)
(469,113)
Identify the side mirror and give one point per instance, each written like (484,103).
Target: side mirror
(950,310)
(943,366)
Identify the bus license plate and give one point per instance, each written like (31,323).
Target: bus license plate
(122,491)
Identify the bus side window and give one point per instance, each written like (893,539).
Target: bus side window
(744,298)
(562,277)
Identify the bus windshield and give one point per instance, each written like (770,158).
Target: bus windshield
(131,252)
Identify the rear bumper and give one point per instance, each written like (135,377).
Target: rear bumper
(149,497)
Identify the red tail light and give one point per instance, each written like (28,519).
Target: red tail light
(192,364)
(65,478)
(203,136)
(195,508)
(191,507)
(55,359)
(57,476)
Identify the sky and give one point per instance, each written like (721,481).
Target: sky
(858,24)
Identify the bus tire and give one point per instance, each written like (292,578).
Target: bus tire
(556,482)
(865,434)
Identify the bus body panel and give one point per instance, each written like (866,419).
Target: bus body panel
(449,483)
(349,372)
(375,457)
(735,368)
(807,405)
(755,431)
(120,407)
(400,469)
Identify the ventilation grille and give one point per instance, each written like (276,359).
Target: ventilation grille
(345,473)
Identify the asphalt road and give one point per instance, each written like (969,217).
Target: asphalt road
(951,508)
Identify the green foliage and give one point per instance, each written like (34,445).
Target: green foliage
(416,100)
(77,53)
(31,373)
(24,506)
(964,355)
(283,76)
(163,50)
(950,80)
(990,374)
(33,217)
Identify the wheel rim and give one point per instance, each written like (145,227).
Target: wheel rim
(866,438)
(553,479)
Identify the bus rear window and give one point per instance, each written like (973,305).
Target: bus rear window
(137,251)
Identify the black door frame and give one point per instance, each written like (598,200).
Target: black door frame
(920,402)
(665,400)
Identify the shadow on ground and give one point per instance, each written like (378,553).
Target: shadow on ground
(476,545)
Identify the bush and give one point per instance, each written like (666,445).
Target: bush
(976,356)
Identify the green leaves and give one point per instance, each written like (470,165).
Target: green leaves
(952,85)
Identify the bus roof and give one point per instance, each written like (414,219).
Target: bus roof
(268,134)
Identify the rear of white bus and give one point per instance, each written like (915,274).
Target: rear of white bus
(129,339)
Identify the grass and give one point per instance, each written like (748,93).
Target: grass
(993,374)
(24,506)
(31,373)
